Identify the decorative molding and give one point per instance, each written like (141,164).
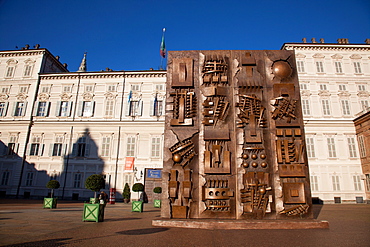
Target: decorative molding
(324,93)
(363,94)
(305,93)
(73,75)
(318,55)
(337,56)
(300,55)
(327,47)
(110,95)
(65,97)
(355,56)
(88,96)
(4,96)
(43,97)
(21,53)
(344,94)
(21,96)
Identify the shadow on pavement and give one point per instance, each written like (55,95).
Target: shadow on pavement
(143,231)
(49,242)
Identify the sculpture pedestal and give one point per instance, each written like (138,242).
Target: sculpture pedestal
(213,224)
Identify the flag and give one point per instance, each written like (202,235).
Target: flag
(162,50)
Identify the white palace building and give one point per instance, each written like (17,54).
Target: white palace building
(56,124)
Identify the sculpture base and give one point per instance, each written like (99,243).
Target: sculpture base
(213,224)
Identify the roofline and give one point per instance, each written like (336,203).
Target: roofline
(106,72)
(327,44)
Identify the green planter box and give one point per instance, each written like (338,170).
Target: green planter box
(93,212)
(137,206)
(157,203)
(50,202)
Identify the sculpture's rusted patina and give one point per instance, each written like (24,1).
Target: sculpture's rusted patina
(234,137)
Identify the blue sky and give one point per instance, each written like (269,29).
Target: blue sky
(126,35)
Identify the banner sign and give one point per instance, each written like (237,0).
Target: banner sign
(129,165)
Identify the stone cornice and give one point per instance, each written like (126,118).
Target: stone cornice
(326,47)
(102,75)
(21,53)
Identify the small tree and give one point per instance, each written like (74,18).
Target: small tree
(126,192)
(157,190)
(95,183)
(53,184)
(138,187)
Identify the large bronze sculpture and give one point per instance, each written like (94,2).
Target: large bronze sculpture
(234,137)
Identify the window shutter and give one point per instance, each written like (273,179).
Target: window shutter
(41,149)
(152,108)
(24,109)
(14,108)
(6,108)
(16,148)
(74,149)
(92,108)
(70,103)
(139,110)
(64,149)
(87,150)
(128,106)
(57,109)
(35,108)
(47,109)
(51,148)
(80,107)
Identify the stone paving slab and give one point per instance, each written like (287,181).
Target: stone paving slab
(23,223)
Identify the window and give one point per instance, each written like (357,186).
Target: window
(300,66)
(67,88)
(77,180)
(57,147)
(131,143)
(156,107)
(111,88)
(325,107)
(323,87)
(5,90)
(35,147)
(45,90)
(29,179)
(338,67)
(89,88)
(335,183)
(342,87)
(159,87)
(364,104)
(156,147)
(303,86)
(310,147)
(5,178)
(357,182)
(367,181)
(20,109)
(105,149)
(3,108)
(41,109)
(319,67)
(352,147)
(134,108)
(306,107)
(81,148)
(27,70)
(345,107)
(314,183)
(109,106)
(10,72)
(361,87)
(23,89)
(357,66)
(64,108)
(87,108)
(331,147)
(135,87)
(361,146)
(12,145)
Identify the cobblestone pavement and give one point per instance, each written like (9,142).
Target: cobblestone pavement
(26,223)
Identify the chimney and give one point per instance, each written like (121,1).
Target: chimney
(342,41)
(57,57)
(37,46)
(304,40)
(322,40)
(313,40)
(367,41)
(65,65)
